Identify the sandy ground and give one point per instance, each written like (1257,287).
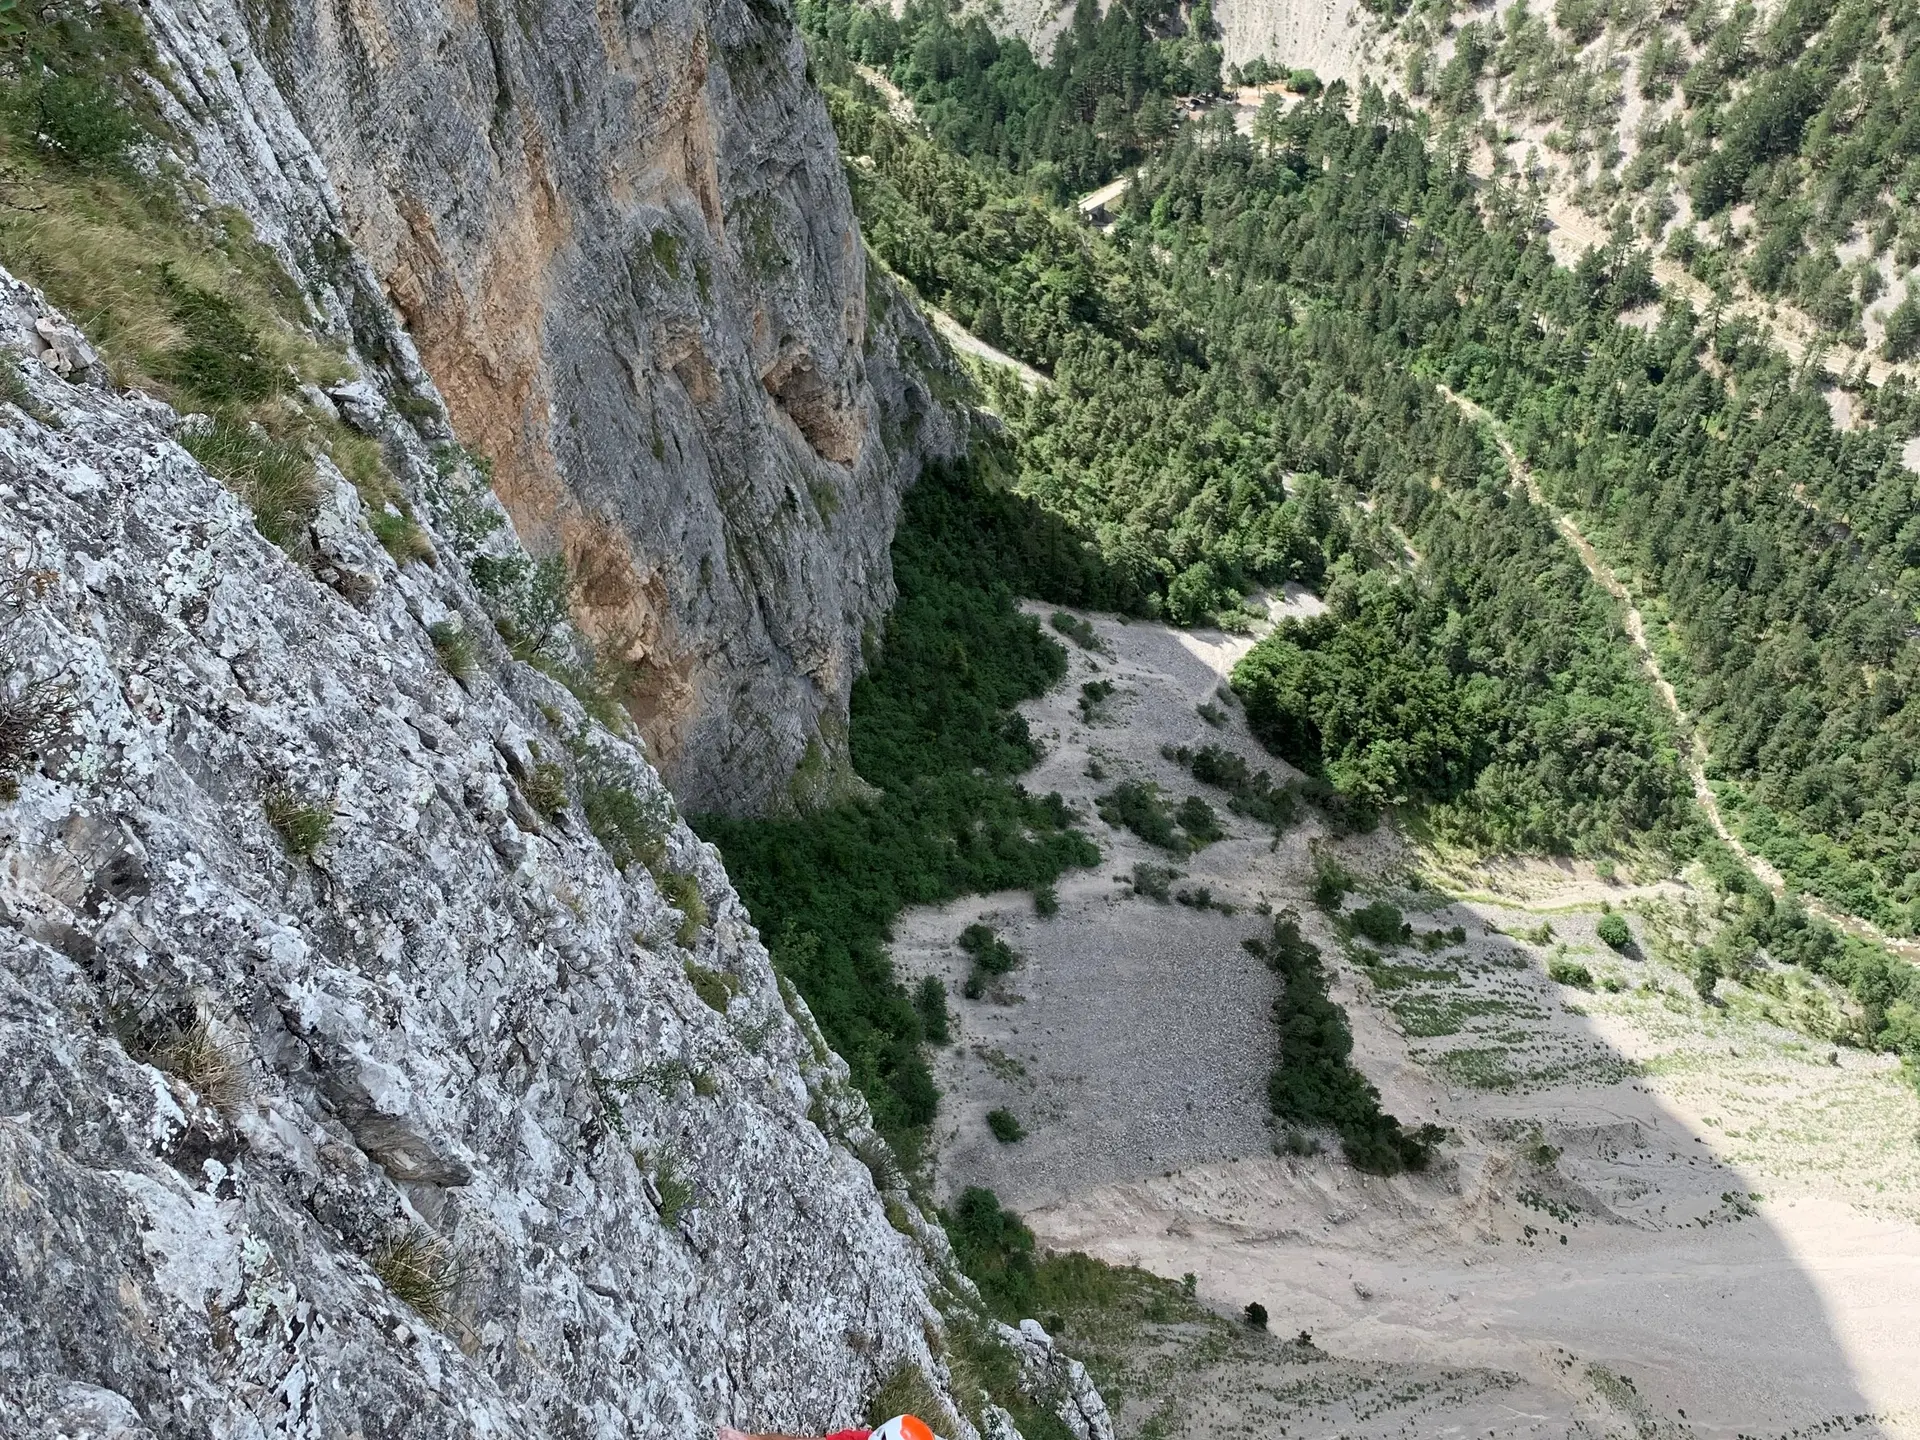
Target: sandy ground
(1653,1217)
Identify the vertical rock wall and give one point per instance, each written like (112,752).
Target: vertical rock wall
(620,241)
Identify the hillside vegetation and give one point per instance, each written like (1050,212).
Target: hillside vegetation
(1770,150)
(1245,389)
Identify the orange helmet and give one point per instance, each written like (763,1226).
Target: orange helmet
(903,1427)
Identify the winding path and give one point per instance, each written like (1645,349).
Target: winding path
(1696,751)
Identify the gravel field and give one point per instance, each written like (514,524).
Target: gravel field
(1652,1217)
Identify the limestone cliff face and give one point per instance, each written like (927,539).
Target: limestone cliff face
(240,1083)
(619,237)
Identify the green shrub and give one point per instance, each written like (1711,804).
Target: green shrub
(74,120)
(930,1000)
(675,1189)
(1613,930)
(994,1249)
(1570,973)
(546,790)
(1137,806)
(630,829)
(1196,817)
(1081,632)
(1252,793)
(683,893)
(1152,881)
(400,535)
(1379,922)
(1046,902)
(274,477)
(302,827)
(1331,881)
(1006,1126)
(1706,974)
(990,953)
(1092,695)
(455,650)
(223,358)
(1315,1082)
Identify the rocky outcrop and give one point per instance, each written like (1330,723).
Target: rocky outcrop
(1058,1381)
(620,241)
(347,1085)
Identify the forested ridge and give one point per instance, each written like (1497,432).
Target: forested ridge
(1274,309)
(1244,390)
(1803,111)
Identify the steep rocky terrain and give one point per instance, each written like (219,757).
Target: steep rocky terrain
(621,241)
(349,1085)
(380,1053)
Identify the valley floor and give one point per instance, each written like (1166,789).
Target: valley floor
(1653,1217)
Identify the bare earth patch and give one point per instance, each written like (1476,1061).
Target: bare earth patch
(1652,1216)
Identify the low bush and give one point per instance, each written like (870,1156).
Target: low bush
(1092,695)
(273,477)
(1331,881)
(1079,631)
(1152,881)
(1255,1315)
(1252,793)
(213,1068)
(1196,817)
(1570,973)
(716,988)
(455,650)
(990,953)
(420,1268)
(1137,806)
(302,827)
(1046,902)
(995,1250)
(1006,1126)
(400,535)
(630,828)
(1379,922)
(682,892)
(545,787)
(1613,930)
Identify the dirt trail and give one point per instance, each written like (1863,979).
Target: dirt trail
(1696,753)
(967,343)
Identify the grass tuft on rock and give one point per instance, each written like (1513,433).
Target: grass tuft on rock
(420,1268)
(302,828)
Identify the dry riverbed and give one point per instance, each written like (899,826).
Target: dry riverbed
(1652,1217)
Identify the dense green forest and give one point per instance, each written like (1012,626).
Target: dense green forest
(1266,320)
(1243,392)
(1105,97)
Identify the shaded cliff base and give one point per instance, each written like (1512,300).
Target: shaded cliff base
(1648,1205)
